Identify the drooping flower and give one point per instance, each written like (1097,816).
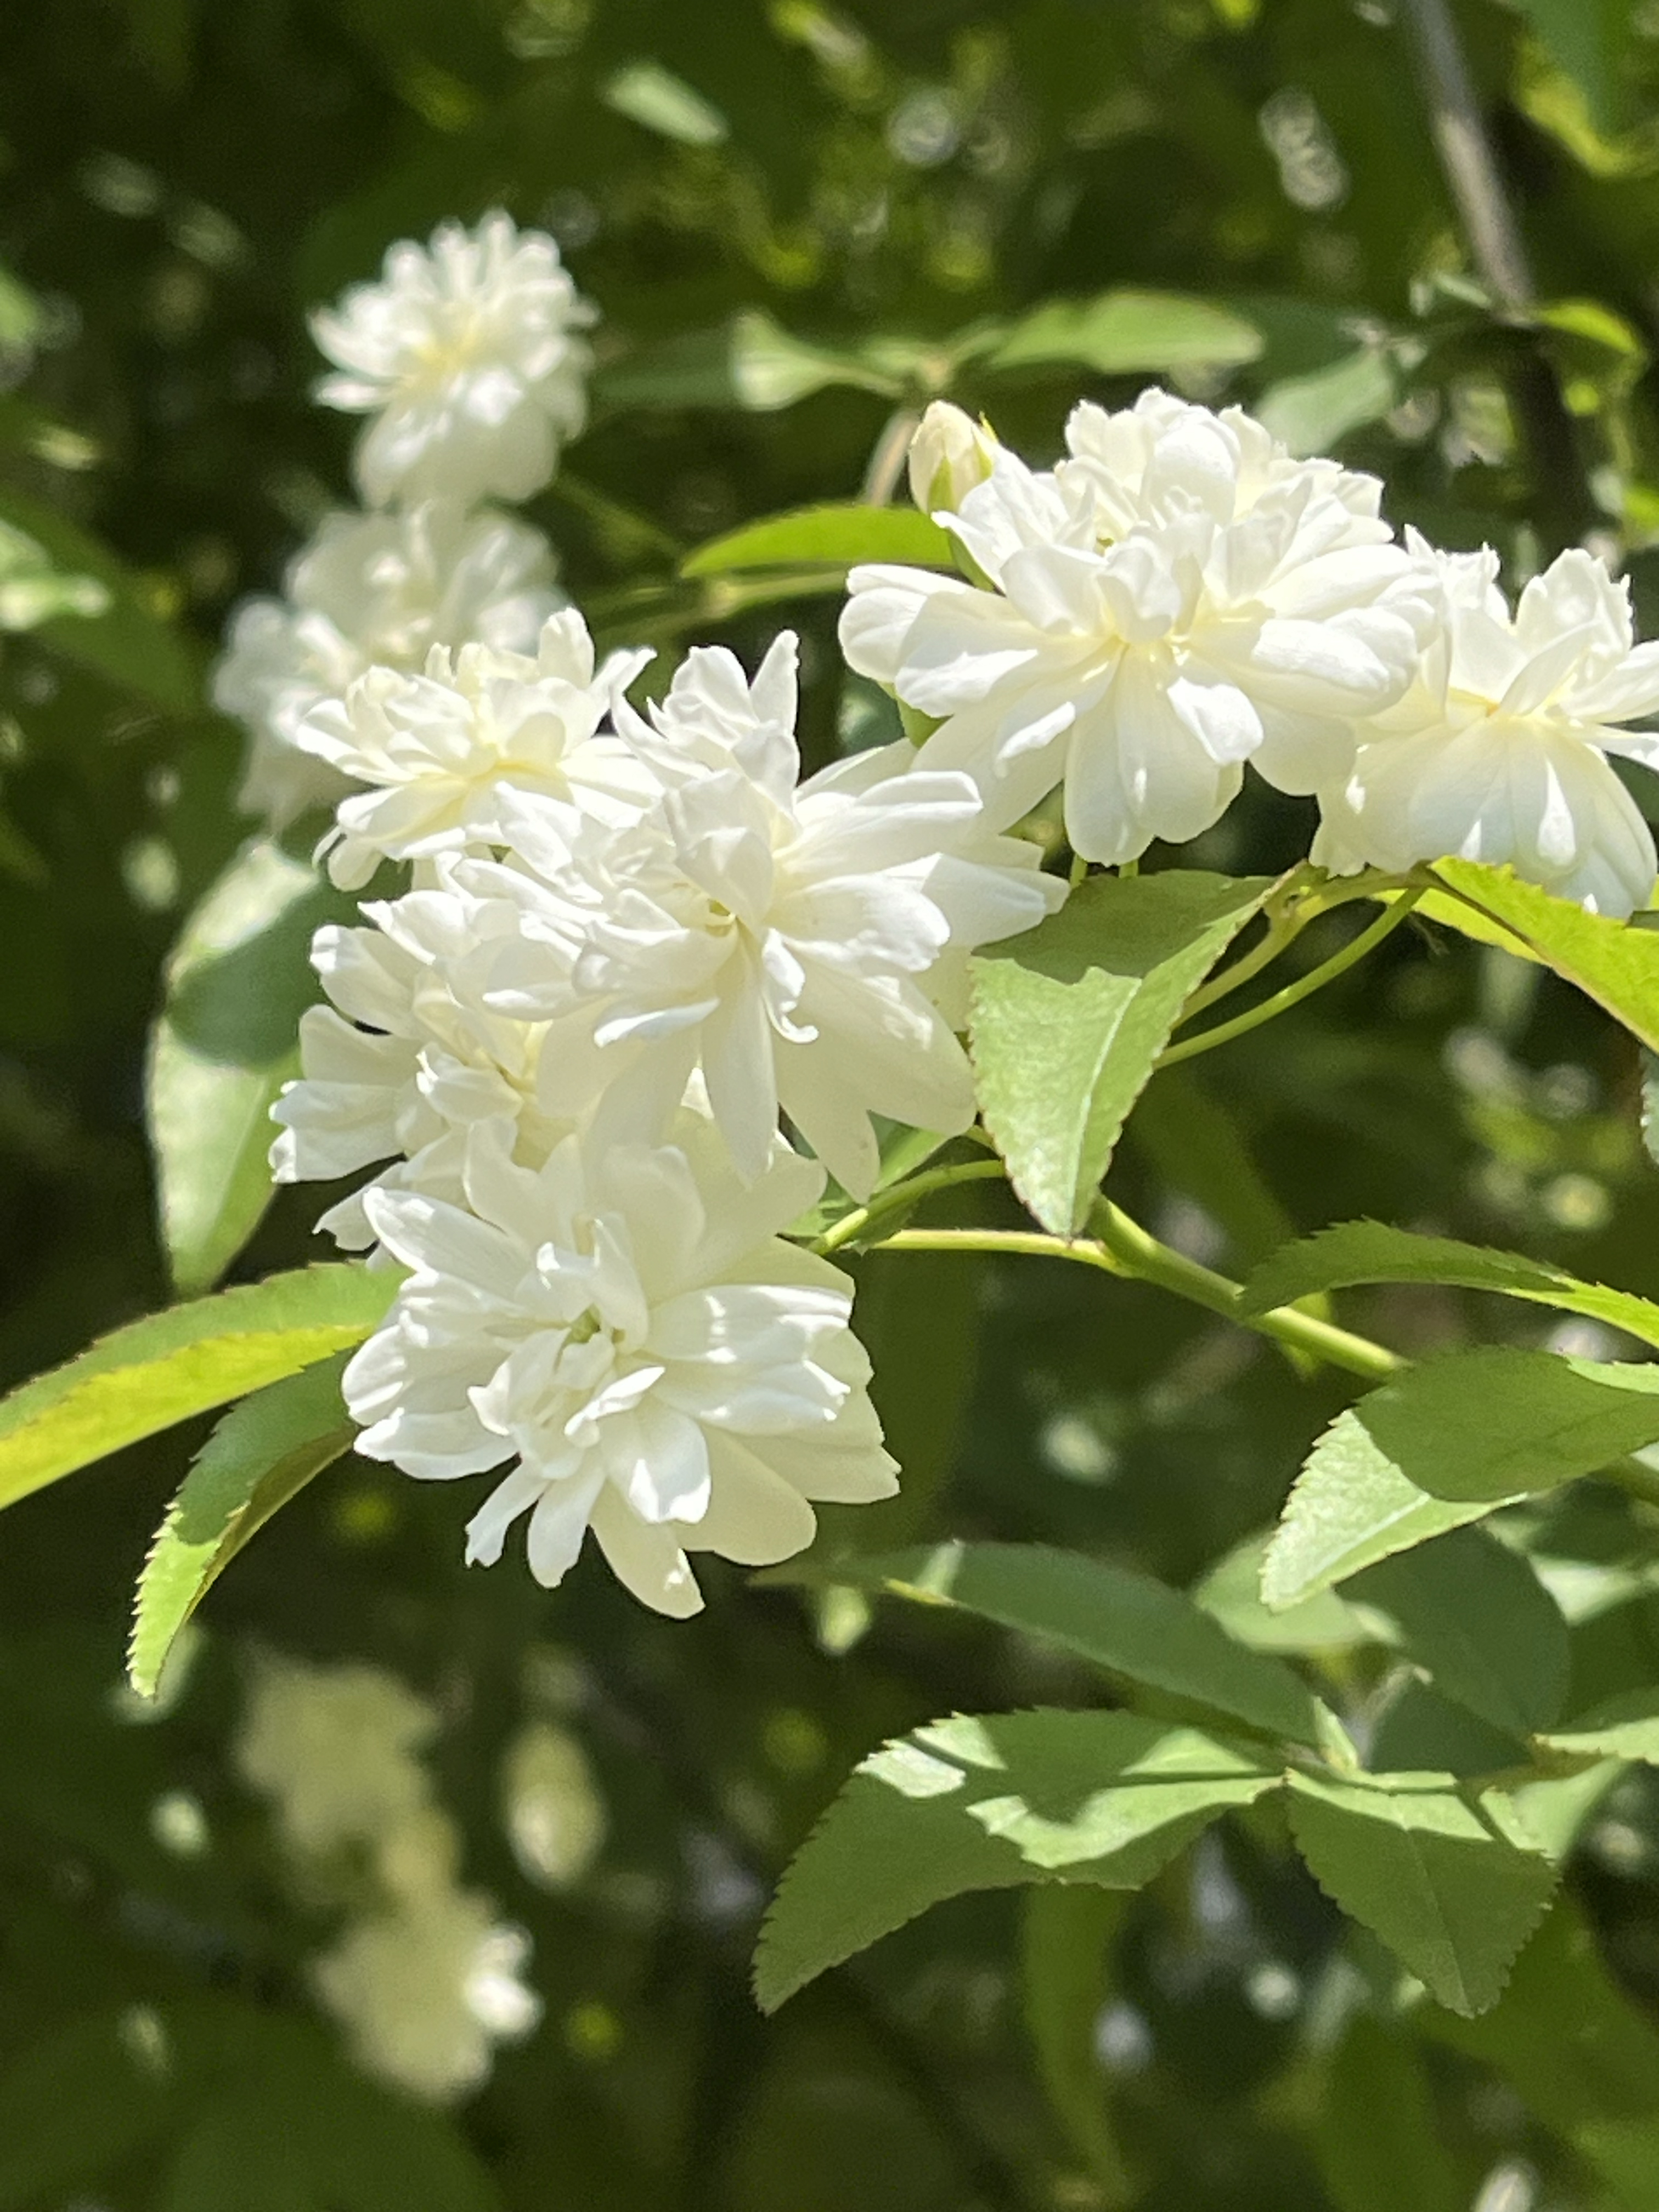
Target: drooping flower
(371,590)
(439,751)
(1498,752)
(782,938)
(336,1747)
(469,355)
(427,1987)
(1177,597)
(625,1331)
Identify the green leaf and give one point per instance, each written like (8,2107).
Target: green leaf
(989,1803)
(1476,1616)
(751,363)
(162,1370)
(1443,1444)
(1117,333)
(80,2099)
(1067,1021)
(223,1045)
(1067,1937)
(261,1454)
(1611,961)
(1137,1629)
(1313,412)
(1376,2133)
(839,536)
(1588,40)
(1371,1252)
(1623,1727)
(657,100)
(1194,1143)
(1443,1874)
(1232,1594)
(128,644)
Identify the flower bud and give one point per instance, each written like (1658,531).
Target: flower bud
(948,455)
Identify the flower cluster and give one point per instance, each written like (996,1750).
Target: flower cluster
(468,358)
(649,985)
(424,1979)
(1179,596)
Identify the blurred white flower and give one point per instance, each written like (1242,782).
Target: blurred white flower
(427,1990)
(1179,596)
(629,1332)
(554,1815)
(371,590)
(437,750)
(949,454)
(780,937)
(1497,751)
(335,1747)
(468,353)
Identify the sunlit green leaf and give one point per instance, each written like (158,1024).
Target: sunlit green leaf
(1588,39)
(1444,1874)
(261,1454)
(1117,333)
(159,1370)
(1313,412)
(751,363)
(838,536)
(1611,961)
(988,1803)
(1371,1252)
(1067,1021)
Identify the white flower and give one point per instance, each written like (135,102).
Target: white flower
(400,1065)
(629,1332)
(1179,596)
(782,939)
(370,589)
(438,750)
(467,353)
(1497,753)
(337,1747)
(554,1814)
(426,1991)
(949,454)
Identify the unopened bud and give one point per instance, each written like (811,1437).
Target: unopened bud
(948,455)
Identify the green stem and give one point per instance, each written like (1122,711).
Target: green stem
(904,1194)
(1122,1247)
(1301,899)
(1292,994)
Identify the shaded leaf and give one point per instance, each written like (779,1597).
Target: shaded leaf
(159,1370)
(1117,333)
(1371,1252)
(1067,1021)
(839,536)
(1068,1936)
(1232,1594)
(1313,412)
(1194,1143)
(1134,1627)
(751,363)
(988,1803)
(1588,40)
(1443,1874)
(1376,2133)
(82,2098)
(1475,1615)
(261,1454)
(1623,1727)
(223,1045)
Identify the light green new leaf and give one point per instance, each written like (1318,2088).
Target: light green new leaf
(162,1370)
(1067,1021)
(261,1454)
(1118,333)
(1443,1874)
(1610,962)
(1476,1616)
(838,535)
(990,1802)
(1137,1629)
(1624,1727)
(1376,2133)
(223,1044)
(1442,1445)
(1371,1252)
(127,643)
(751,363)
(1067,1940)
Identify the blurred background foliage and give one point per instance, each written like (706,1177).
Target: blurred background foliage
(798,219)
